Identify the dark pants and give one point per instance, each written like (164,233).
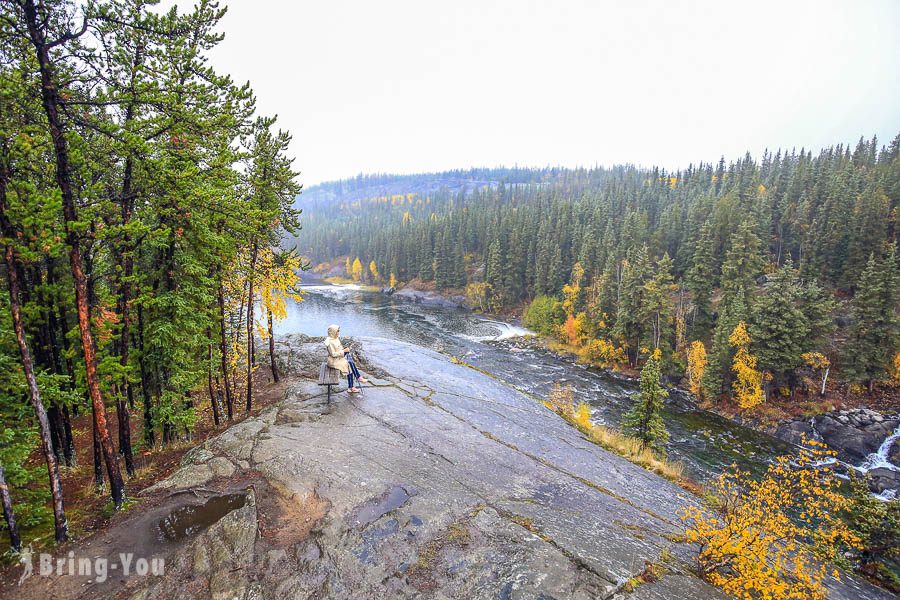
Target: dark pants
(354,372)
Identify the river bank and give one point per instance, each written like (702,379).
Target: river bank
(862,437)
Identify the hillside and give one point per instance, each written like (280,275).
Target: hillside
(799,246)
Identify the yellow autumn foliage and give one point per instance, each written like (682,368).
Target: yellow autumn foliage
(572,290)
(605,354)
(277,281)
(696,366)
(561,400)
(583,415)
(758,542)
(748,380)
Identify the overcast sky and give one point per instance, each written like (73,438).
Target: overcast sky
(409,86)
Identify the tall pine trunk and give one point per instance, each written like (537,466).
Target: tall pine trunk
(250,349)
(272,348)
(69,448)
(223,349)
(126,262)
(149,433)
(9,516)
(50,100)
(213,397)
(34,393)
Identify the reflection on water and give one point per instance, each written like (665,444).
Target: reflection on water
(705,442)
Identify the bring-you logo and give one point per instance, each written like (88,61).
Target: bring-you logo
(99,568)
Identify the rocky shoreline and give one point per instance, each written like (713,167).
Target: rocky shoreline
(863,439)
(432,298)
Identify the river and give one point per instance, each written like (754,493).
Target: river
(704,442)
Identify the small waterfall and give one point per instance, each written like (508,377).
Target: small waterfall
(812,428)
(504,331)
(879,458)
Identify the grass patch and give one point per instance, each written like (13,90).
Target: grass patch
(561,401)
(651,572)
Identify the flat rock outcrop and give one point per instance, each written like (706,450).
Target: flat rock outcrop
(438,481)
(432,298)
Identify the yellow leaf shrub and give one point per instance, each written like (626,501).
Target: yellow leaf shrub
(696,366)
(748,380)
(756,543)
(604,353)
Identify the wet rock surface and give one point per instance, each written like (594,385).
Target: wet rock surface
(432,298)
(436,482)
(881,479)
(853,434)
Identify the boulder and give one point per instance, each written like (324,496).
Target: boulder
(881,479)
(853,434)
(795,431)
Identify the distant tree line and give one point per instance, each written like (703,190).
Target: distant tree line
(620,261)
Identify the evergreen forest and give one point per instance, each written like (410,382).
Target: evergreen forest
(799,246)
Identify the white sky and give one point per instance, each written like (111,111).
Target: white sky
(409,86)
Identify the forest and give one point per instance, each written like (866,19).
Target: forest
(142,204)
(754,278)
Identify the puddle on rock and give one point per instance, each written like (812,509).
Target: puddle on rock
(391,500)
(189,520)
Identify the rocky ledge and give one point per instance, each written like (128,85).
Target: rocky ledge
(436,482)
(853,434)
(431,298)
(856,435)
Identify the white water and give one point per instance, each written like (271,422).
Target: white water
(879,458)
(506,331)
(337,290)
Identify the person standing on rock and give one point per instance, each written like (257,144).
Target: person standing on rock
(339,358)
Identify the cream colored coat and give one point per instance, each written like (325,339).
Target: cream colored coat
(335,350)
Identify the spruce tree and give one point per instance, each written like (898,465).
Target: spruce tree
(874,336)
(631,326)
(700,281)
(656,308)
(780,328)
(743,261)
(717,375)
(644,421)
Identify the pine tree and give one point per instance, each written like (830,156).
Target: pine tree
(718,371)
(631,326)
(656,308)
(780,328)
(644,421)
(874,337)
(701,282)
(743,261)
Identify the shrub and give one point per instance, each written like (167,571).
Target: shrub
(755,542)
(544,315)
(604,353)
(562,401)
